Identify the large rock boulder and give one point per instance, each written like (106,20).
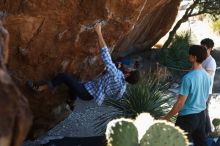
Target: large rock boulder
(154,22)
(15,114)
(46,33)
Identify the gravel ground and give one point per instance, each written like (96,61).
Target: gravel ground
(80,123)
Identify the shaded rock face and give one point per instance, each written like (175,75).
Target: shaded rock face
(15,115)
(155,21)
(46,33)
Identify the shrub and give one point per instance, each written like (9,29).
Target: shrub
(176,56)
(216,122)
(146,96)
(216,26)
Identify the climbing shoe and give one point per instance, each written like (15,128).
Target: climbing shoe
(70,102)
(32,86)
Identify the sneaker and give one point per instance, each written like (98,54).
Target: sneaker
(71,107)
(32,86)
(70,103)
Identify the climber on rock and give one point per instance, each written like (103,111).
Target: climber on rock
(111,83)
(4,41)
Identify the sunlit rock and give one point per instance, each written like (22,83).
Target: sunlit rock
(45,33)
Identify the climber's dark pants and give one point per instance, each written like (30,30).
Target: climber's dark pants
(76,88)
(194,125)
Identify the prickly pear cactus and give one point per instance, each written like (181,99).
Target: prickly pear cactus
(122,133)
(126,132)
(163,133)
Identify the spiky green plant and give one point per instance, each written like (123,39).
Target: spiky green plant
(149,95)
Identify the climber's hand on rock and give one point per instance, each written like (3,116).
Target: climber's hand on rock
(98,28)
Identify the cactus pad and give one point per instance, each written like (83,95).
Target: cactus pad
(122,132)
(164,134)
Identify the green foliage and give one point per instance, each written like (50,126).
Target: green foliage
(176,56)
(216,122)
(211,7)
(216,26)
(197,7)
(121,132)
(146,96)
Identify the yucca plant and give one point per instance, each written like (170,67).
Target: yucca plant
(149,95)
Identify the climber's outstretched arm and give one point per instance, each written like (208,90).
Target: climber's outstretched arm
(98,30)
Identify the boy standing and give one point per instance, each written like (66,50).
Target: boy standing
(193,95)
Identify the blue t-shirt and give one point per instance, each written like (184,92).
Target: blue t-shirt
(195,85)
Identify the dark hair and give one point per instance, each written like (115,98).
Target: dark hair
(134,77)
(207,42)
(199,51)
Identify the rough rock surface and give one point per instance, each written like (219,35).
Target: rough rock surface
(46,33)
(155,21)
(15,114)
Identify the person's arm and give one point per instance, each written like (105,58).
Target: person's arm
(183,95)
(210,72)
(211,67)
(176,108)
(98,30)
(106,57)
